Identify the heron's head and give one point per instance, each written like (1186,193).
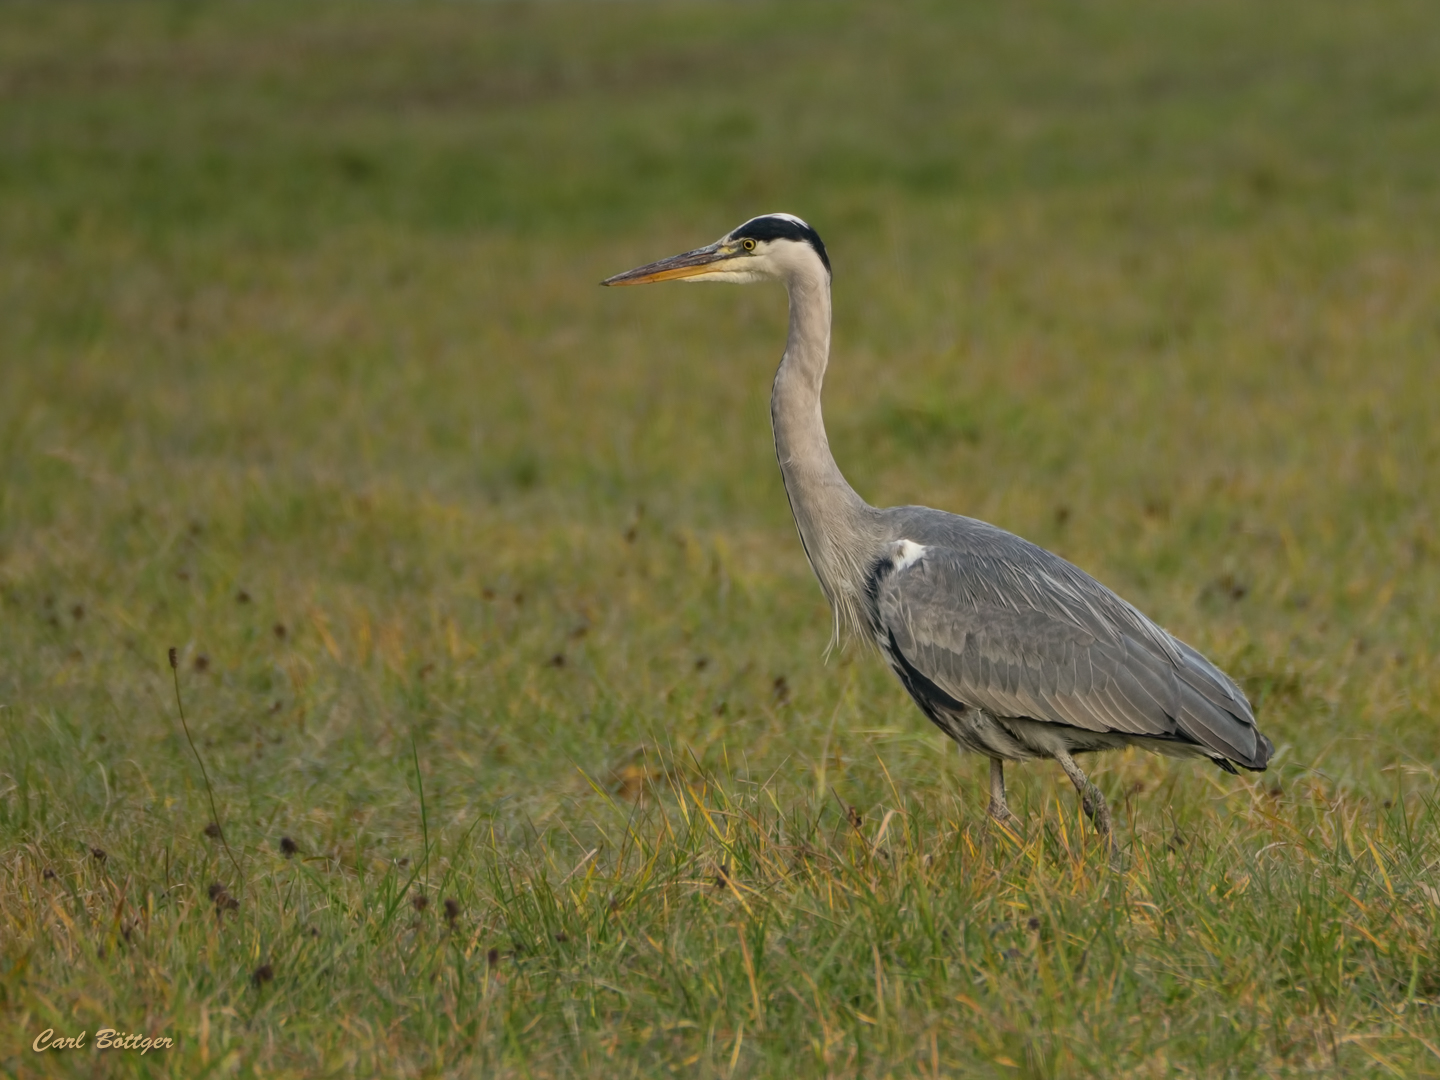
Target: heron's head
(773,246)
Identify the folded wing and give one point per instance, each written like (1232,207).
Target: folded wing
(1009,628)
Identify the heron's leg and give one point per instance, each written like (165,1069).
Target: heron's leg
(999,808)
(1090,797)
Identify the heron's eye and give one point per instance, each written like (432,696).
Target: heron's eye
(748,245)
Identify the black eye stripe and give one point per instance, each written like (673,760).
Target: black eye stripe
(781,228)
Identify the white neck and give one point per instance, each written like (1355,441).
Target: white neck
(836,526)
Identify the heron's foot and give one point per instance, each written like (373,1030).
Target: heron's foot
(1001,813)
(999,810)
(1093,803)
(1096,809)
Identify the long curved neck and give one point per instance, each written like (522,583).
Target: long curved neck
(835,524)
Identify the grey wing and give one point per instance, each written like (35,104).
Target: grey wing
(1019,632)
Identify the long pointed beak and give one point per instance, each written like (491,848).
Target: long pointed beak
(690,264)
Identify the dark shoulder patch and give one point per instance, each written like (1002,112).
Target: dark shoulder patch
(775,227)
(880,569)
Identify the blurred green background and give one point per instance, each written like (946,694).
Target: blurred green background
(304,370)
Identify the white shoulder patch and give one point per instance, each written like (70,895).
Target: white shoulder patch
(906,554)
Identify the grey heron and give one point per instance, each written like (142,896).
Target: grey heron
(1010,650)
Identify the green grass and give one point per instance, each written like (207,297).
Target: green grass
(484,585)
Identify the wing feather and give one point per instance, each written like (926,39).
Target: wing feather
(1004,626)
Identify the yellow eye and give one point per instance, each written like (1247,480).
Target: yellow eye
(748,245)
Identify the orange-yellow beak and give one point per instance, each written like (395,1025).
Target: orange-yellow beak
(690,264)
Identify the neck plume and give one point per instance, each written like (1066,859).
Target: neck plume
(835,524)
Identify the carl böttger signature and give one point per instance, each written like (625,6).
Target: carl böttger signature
(105,1039)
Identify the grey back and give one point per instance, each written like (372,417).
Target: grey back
(1002,625)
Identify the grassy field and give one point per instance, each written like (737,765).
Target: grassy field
(493,631)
